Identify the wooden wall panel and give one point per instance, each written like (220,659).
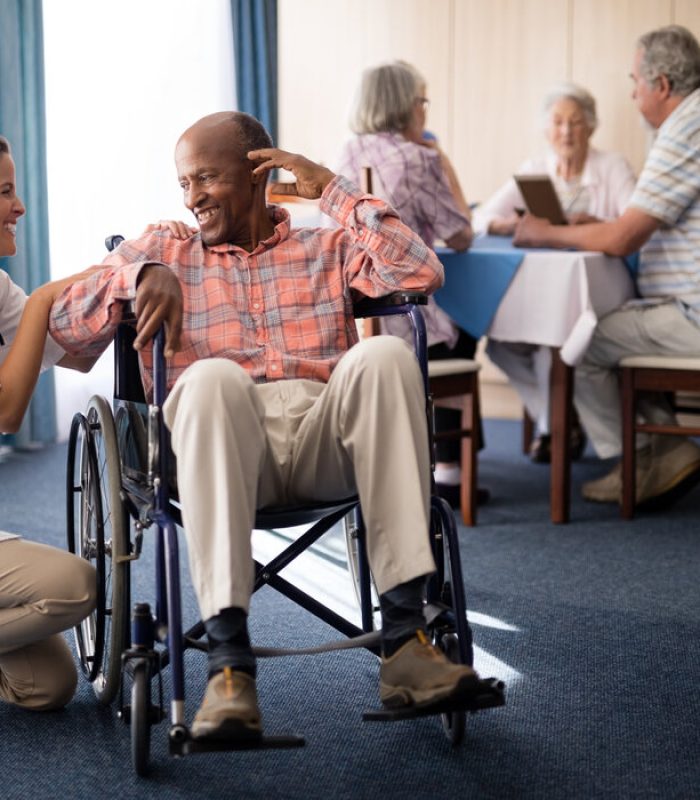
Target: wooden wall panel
(506,53)
(324,46)
(687,12)
(602,53)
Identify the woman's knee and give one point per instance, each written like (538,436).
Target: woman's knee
(42,676)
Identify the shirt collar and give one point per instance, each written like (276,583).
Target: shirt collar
(281,220)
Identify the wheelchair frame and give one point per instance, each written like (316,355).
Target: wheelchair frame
(104,492)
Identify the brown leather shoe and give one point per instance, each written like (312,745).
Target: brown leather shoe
(418,674)
(229,709)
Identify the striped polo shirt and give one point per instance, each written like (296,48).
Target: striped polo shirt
(669,190)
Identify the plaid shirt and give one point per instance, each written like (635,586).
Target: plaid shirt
(281,311)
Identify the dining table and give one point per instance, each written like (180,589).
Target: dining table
(539,296)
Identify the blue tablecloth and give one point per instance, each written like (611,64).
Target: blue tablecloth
(476,280)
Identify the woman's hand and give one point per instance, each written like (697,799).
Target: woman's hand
(503,226)
(180,230)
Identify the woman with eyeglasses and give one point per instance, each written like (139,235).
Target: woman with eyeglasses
(410,170)
(592,185)
(43,591)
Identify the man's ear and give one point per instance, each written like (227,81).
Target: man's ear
(664,86)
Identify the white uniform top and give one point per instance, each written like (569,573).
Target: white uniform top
(12,300)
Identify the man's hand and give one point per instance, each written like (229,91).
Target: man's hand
(158,300)
(311,178)
(531,232)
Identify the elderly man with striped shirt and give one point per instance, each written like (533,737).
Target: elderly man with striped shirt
(662,221)
(272,399)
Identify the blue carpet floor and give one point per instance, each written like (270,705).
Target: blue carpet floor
(594,626)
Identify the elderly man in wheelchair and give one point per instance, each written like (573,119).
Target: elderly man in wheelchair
(272,401)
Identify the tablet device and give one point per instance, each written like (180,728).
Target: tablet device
(541,197)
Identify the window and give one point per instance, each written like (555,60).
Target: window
(123,81)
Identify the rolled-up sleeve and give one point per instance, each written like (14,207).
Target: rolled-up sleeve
(85,316)
(382,254)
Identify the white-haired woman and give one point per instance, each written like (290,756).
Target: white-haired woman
(43,591)
(411,172)
(592,185)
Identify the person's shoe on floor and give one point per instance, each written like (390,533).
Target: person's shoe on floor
(419,674)
(675,469)
(229,709)
(608,489)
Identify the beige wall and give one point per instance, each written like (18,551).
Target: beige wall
(487,63)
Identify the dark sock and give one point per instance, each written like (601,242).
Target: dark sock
(402,614)
(229,643)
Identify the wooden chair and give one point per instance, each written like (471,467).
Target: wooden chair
(650,374)
(448,379)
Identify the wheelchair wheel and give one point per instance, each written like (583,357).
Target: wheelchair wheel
(140,718)
(451,631)
(97,531)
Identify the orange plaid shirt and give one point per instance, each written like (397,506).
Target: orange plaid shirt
(281,311)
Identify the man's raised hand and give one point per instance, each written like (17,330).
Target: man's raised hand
(311,178)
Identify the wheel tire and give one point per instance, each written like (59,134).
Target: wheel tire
(98,532)
(448,588)
(454,723)
(140,718)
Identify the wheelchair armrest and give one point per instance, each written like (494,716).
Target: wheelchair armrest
(369,306)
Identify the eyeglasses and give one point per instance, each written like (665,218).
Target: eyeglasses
(424,101)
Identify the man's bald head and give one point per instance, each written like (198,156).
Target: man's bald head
(228,131)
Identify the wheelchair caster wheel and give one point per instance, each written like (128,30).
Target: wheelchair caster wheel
(453,722)
(140,718)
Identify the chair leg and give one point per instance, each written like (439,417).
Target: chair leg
(629,453)
(528,431)
(470,448)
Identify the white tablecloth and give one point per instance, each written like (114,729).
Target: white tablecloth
(557,297)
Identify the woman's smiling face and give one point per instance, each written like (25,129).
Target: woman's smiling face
(11,207)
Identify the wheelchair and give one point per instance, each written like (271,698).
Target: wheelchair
(120,482)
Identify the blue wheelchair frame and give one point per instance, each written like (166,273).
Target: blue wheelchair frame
(147,498)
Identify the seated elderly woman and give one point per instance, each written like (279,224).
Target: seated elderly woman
(414,175)
(592,185)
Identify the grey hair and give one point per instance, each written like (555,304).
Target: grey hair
(571,91)
(385,98)
(672,51)
(4,145)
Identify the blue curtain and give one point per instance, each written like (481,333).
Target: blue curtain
(23,122)
(255,54)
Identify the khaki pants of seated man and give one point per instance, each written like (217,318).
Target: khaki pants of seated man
(42,591)
(242,446)
(661,330)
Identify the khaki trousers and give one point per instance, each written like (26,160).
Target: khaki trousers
(636,330)
(42,591)
(242,446)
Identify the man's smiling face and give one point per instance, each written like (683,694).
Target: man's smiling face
(217,183)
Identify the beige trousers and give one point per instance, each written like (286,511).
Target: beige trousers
(42,591)
(242,446)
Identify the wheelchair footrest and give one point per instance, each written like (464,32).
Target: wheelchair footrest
(185,746)
(490,694)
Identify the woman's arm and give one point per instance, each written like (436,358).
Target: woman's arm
(20,370)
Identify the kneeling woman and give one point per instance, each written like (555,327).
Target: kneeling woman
(43,591)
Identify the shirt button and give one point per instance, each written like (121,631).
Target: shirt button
(256,305)
(273,367)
